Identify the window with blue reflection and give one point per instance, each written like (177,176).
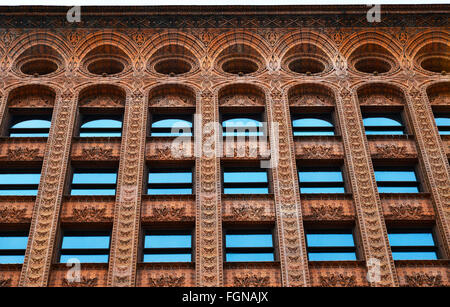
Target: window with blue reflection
(443,123)
(12,247)
(397,180)
(168,246)
(413,244)
(101,127)
(320,180)
(312,125)
(383,124)
(30,127)
(171,126)
(330,245)
(245,181)
(244,125)
(19,182)
(94,182)
(86,247)
(169,181)
(249,245)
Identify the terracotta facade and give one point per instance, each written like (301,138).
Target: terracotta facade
(289,58)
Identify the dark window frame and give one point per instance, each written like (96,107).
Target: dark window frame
(331,249)
(84,251)
(394,116)
(248,250)
(20,186)
(85,118)
(155,117)
(231,115)
(168,250)
(18,118)
(13,252)
(441,127)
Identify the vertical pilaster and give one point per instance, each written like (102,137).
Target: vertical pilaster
(291,236)
(44,223)
(125,234)
(432,153)
(208,220)
(371,223)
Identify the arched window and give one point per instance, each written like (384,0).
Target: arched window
(304,126)
(171,126)
(383,125)
(443,123)
(101,127)
(37,127)
(242,126)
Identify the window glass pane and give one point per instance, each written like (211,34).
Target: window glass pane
(100,134)
(414,255)
(175,177)
(395,175)
(241,122)
(167,258)
(249,240)
(330,239)
(442,132)
(93,192)
(242,127)
(102,123)
(20,178)
(19,192)
(320,190)
(311,122)
(380,121)
(249,257)
(167,241)
(245,176)
(85,258)
(398,190)
(94,178)
(83,242)
(332,176)
(169,123)
(331,256)
(13,242)
(390,132)
(408,239)
(306,133)
(33,123)
(11,258)
(442,121)
(246,190)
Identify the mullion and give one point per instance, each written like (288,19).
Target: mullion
(397,183)
(247,184)
(18,186)
(28,130)
(167,250)
(163,185)
(331,249)
(312,128)
(93,186)
(327,184)
(12,252)
(84,130)
(249,250)
(84,251)
(413,248)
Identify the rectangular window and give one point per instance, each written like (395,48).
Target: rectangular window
(86,246)
(249,245)
(396,180)
(171,125)
(19,182)
(383,124)
(94,182)
(410,244)
(30,126)
(245,181)
(169,181)
(321,180)
(443,123)
(168,246)
(101,126)
(13,246)
(244,125)
(330,245)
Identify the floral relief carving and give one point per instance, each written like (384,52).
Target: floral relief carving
(406,211)
(327,212)
(97,153)
(5,282)
(167,281)
(337,280)
(32,102)
(12,215)
(379,99)
(88,214)
(251,280)
(169,213)
(172,101)
(23,153)
(84,282)
(241,100)
(318,151)
(423,280)
(247,212)
(391,150)
(311,100)
(103,101)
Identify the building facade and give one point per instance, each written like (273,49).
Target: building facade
(351,188)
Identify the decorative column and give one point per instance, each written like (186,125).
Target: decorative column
(291,235)
(44,223)
(125,234)
(208,220)
(372,227)
(432,153)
